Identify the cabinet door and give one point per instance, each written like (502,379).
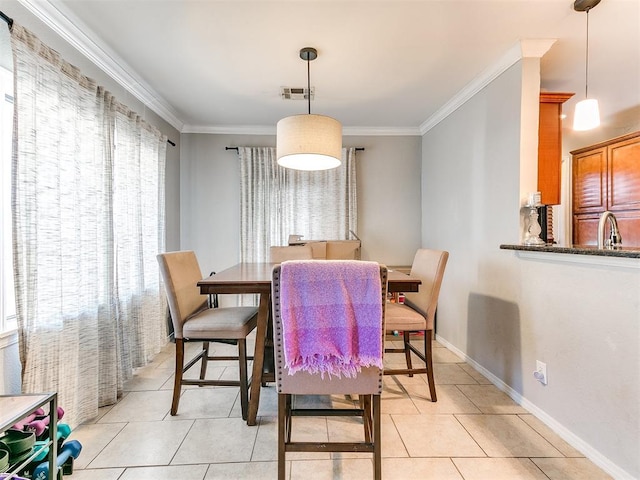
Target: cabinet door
(585,229)
(550,146)
(629,225)
(624,176)
(589,181)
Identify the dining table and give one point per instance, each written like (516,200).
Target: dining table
(255,278)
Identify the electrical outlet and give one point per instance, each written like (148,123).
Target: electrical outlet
(541,372)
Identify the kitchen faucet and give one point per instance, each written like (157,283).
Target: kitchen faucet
(615,239)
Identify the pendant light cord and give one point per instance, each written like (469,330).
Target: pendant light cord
(586,63)
(309,83)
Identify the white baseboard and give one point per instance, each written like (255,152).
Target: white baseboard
(567,435)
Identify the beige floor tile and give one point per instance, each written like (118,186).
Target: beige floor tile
(444,355)
(308,429)
(392,445)
(450,400)
(242,471)
(214,372)
(140,407)
(235,441)
(268,401)
(183,472)
(143,444)
(489,399)
(167,362)
(478,377)
(147,378)
(350,429)
(552,437)
(93,437)
(97,474)
(419,469)
(343,469)
(346,429)
(435,436)
(206,402)
(452,374)
(102,411)
(266,447)
(498,469)
(570,469)
(395,398)
(506,436)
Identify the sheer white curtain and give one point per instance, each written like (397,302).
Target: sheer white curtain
(88,211)
(276,202)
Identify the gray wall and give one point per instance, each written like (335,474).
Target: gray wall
(503,312)
(388,196)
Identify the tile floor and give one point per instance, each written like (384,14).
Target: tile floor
(473,432)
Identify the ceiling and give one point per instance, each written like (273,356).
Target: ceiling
(383,66)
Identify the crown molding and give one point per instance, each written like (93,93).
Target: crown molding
(381,131)
(231,129)
(77,34)
(271,130)
(523,49)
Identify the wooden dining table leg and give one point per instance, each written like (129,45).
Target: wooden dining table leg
(258,357)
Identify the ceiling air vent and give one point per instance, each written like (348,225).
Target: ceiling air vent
(296,93)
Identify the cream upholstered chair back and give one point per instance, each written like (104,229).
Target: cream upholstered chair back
(291,252)
(367,383)
(429,266)
(181,274)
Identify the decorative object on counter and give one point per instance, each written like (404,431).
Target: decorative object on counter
(587,114)
(545,219)
(309,142)
(533,230)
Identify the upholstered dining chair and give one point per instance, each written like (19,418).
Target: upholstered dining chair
(194,321)
(417,314)
(290,252)
(308,316)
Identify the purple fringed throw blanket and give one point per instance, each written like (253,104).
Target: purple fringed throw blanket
(331,313)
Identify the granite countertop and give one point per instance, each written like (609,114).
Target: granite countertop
(625,252)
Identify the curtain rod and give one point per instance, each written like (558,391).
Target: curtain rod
(358,149)
(171,143)
(9,20)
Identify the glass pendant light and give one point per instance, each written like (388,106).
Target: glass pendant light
(587,114)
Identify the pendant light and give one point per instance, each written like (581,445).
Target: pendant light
(586,115)
(309,142)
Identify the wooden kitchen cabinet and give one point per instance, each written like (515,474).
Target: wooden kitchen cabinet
(606,176)
(550,146)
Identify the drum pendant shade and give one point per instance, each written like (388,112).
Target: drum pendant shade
(309,142)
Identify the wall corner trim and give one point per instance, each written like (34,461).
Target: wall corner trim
(522,49)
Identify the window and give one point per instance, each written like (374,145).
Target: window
(7,295)
(276,202)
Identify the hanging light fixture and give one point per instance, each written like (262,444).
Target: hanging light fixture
(586,115)
(309,142)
